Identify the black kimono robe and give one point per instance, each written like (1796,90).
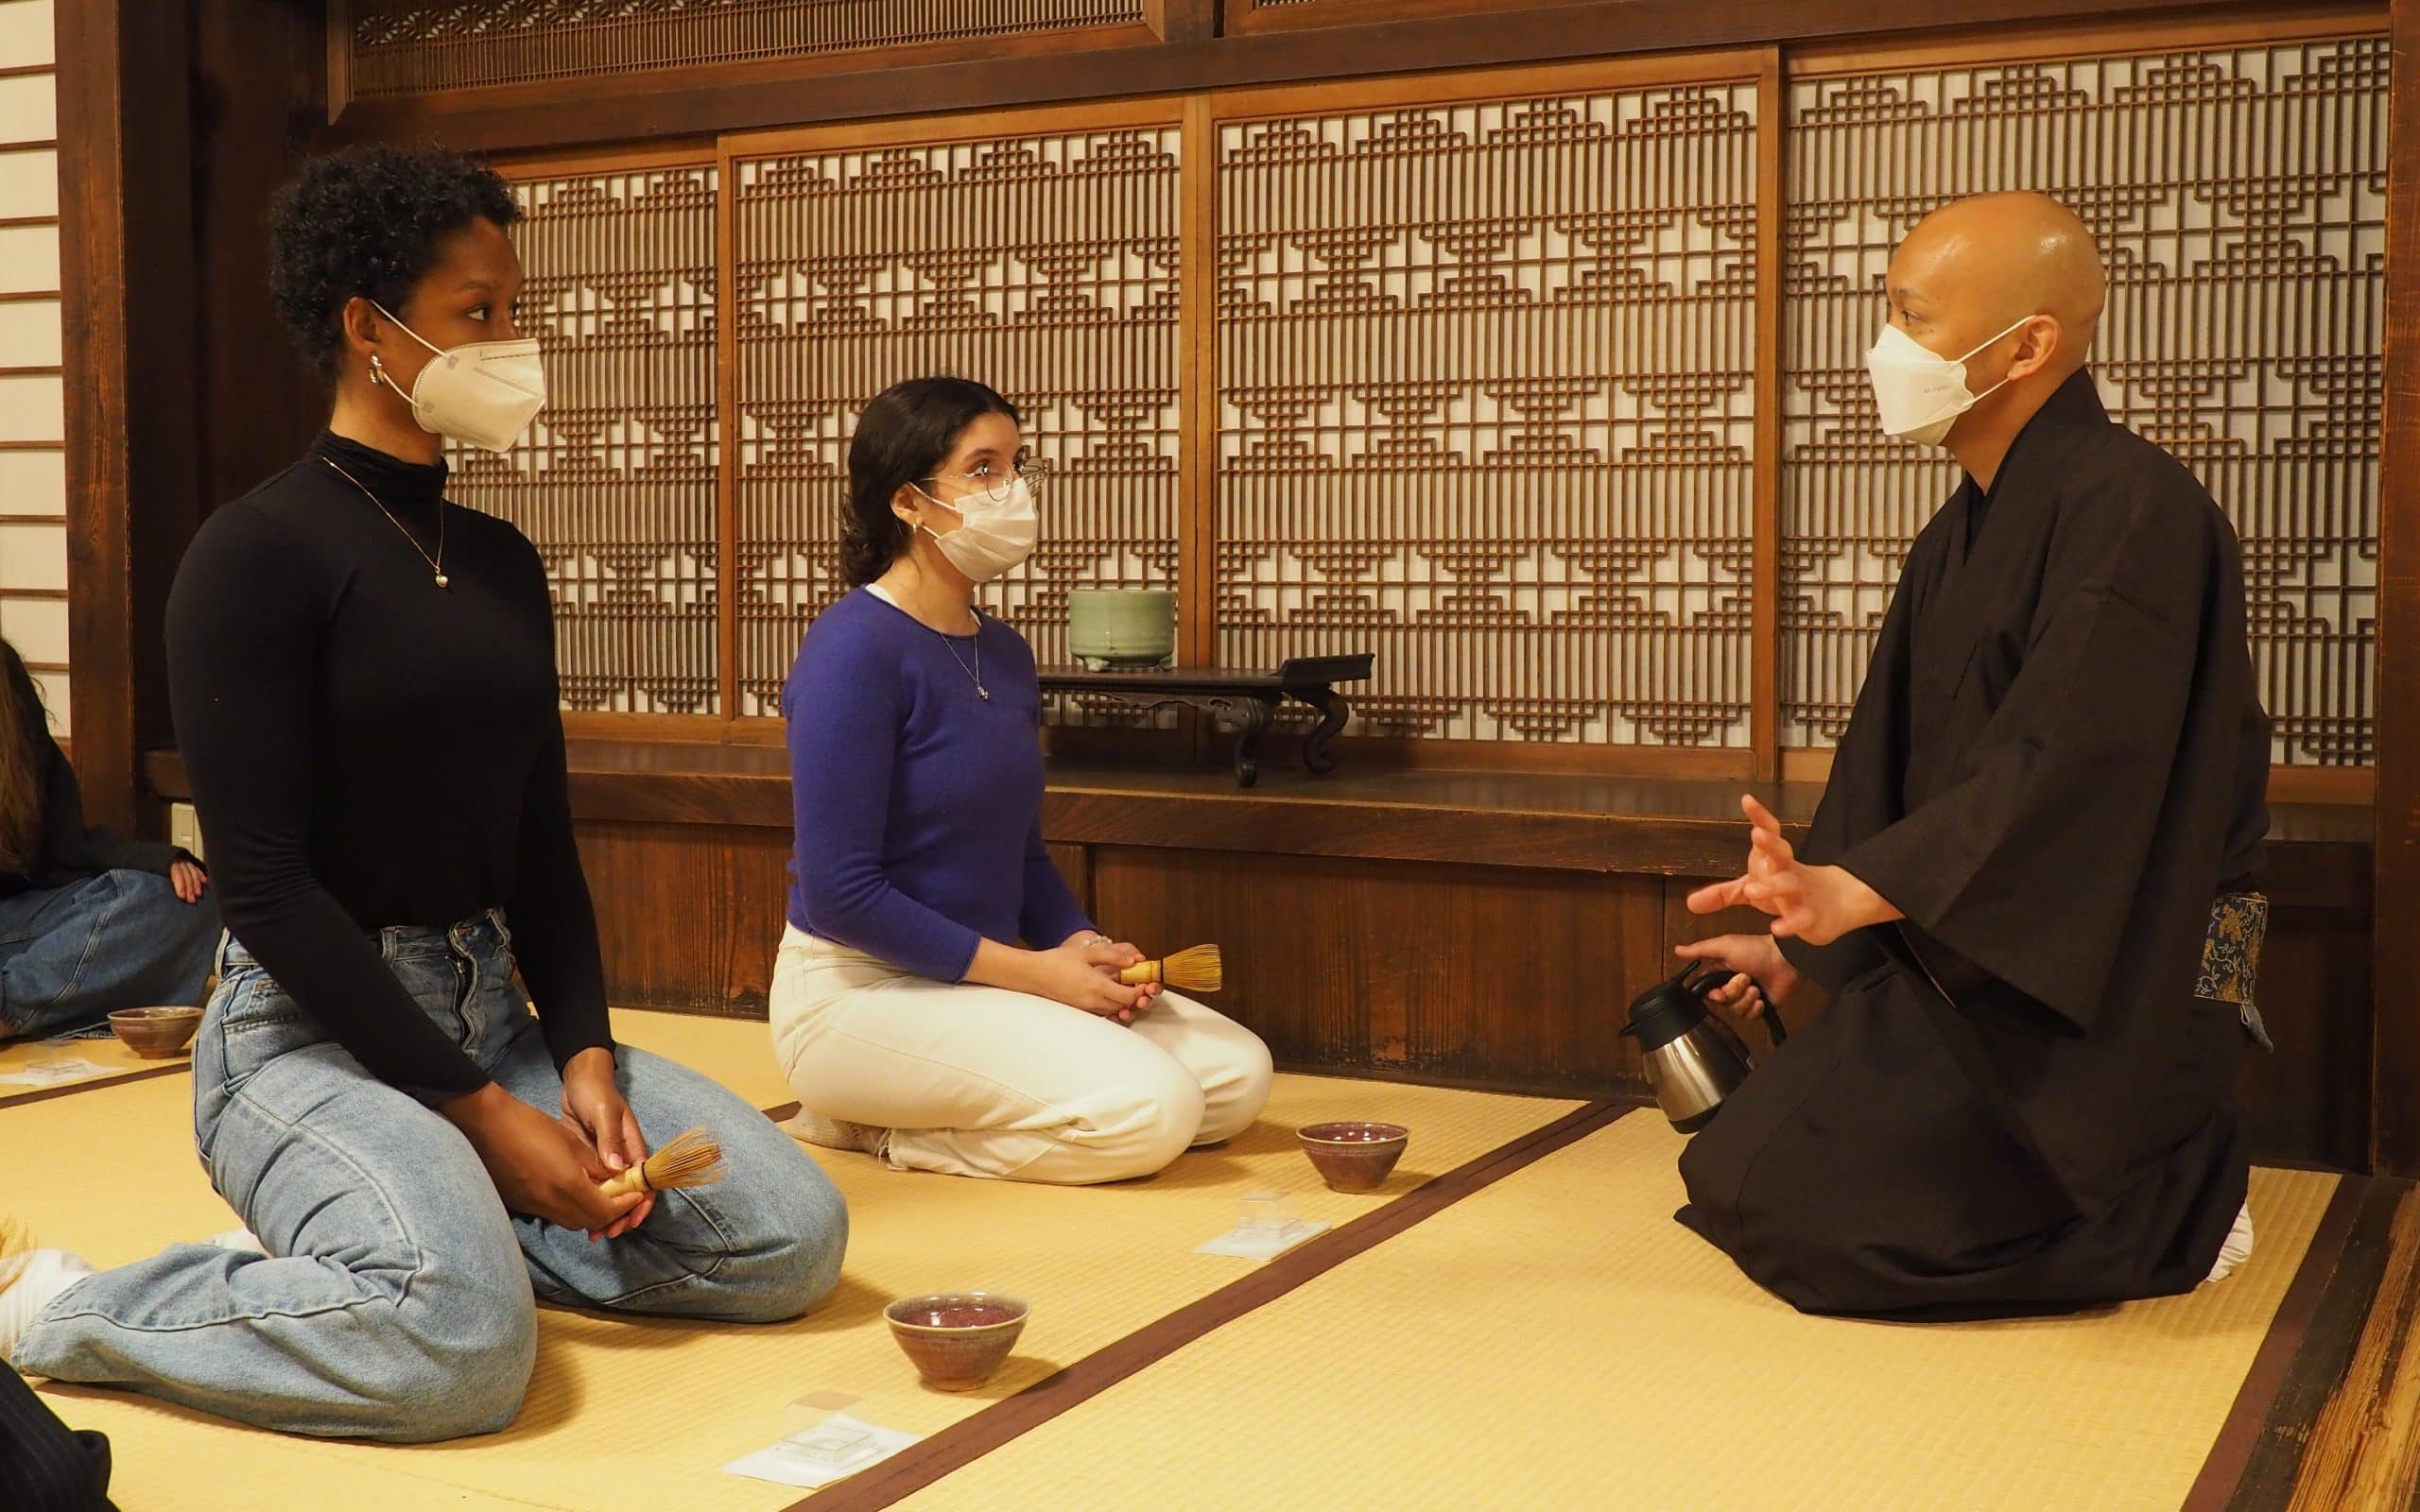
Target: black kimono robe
(2015,1103)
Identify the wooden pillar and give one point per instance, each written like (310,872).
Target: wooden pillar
(127,310)
(2395,1068)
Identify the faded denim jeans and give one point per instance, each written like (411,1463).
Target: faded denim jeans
(396,1301)
(123,939)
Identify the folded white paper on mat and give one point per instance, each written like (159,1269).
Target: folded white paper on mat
(53,1073)
(833,1449)
(1260,1242)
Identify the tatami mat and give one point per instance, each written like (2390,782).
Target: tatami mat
(640,1414)
(50,1063)
(1556,1341)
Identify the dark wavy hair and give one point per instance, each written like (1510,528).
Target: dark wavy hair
(369,220)
(903,437)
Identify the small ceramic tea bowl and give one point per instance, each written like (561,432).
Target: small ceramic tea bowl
(1353,1155)
(155,1034)
(956,1340)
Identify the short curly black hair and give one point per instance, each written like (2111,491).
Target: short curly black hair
(368,220)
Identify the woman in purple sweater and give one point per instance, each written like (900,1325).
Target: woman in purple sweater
(940,1000)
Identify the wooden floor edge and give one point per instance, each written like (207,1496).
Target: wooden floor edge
(969,1439)
(2288,1328)
(2338,1319)
(90,1084)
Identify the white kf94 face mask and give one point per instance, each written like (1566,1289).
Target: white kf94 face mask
(482,393)
(1920,392)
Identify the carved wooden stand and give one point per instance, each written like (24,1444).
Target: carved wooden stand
(1247,700)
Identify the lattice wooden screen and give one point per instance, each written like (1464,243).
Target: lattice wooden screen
(414,47)
(2239,196)
(1045,266)
(616,481)
(1485,393)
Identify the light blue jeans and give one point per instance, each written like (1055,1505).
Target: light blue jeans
(399,1303)
(123,939)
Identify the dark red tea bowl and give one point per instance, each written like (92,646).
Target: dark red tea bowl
(956,1340)
(1352,1156)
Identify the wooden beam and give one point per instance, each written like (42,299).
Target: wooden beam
(127,309)
(1197,573)
(1764,572)
(2394,1066)
(256,62)
(1182,20)
(683,102)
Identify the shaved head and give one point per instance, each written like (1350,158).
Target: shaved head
(1978,266)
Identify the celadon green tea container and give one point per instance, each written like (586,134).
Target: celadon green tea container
(1110,628)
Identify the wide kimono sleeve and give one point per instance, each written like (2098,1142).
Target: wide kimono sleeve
(2028,864)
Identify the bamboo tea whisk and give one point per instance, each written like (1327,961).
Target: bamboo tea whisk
(1199,970)
(688,1159)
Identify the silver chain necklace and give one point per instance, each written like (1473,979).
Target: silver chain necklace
(976,671)
(435,563)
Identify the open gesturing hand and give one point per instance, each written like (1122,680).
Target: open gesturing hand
(1817,904)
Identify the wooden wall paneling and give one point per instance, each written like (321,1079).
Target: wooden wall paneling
(1251,17)
(127,296)
(1484,420)
(1182,21)
(1040,251)
(1075,863)
(256,98)
(617,484)
(2395,1135)
(642,105)
(423,47)
(1479,975)
(690,914)
(2100,33)
(2156,136)
(726,307)
(2310,1102)
(336,48)
(1764,576)
(1197,349)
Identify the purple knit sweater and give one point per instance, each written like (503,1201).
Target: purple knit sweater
(918,801)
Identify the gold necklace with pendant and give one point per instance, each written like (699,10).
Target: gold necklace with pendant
(435,563)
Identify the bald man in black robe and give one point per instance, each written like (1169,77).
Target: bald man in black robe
(2029,888)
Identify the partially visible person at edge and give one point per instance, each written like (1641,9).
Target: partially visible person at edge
(90,921)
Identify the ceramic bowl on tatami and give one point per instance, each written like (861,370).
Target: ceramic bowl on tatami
(956,1340)
(155,1034)
(1353,1155)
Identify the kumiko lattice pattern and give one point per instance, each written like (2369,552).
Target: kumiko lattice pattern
(615,482)
(1044,266)
(2239,198)
(412,46)
(1486,393)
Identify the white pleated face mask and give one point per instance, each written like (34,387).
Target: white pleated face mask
(482,393)
(1920,392)
(993,535)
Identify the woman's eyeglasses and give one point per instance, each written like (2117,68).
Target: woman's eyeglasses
(991,483)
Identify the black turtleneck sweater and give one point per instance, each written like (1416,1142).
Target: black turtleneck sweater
(368,749)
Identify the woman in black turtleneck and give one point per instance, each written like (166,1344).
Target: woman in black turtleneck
(365,696)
